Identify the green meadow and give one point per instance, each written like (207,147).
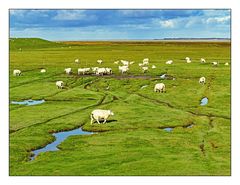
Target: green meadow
(133,141)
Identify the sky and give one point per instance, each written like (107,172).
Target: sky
(119,24)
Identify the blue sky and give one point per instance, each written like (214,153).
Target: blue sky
(119,24)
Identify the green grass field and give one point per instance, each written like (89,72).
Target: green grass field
(133,142)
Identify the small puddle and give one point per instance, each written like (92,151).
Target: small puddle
(204,101)
(60,137)
(28,102)
(169,129)
(167,77)
(190,126)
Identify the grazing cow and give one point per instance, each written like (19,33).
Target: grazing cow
(160,87)
(154,67)
(215,63)
(17,72)
(188,60)
(100,114)
(101,71)
(202,60)
(169,62)
(99,61)
(125,62)
(59,84)
(94,69)
(43,71)
(123,69)
(108,70)
(83,71)
(144,69)
(202,80)
(68,70)
(145,61)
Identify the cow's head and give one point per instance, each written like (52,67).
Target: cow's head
(110,112)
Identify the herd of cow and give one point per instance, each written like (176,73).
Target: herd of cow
(102,115)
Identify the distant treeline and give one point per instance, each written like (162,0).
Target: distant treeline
(194,39)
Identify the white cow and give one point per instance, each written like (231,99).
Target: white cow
(154,67)
(17,72)
(83,71)
(202,60)
(123,69)
(160,87)
(100,114)
(99,61)
(144,69)
(59,84)
(125,62)
(188,60)
(68,70)
(169,62)
(215,63)
(202,80)
(145,61)
(94,69)
(101,71)
(43,71)
(108,70)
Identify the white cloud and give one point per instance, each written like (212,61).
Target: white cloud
(71,15)
(167,23)
(29,13)
(17,12)
(216,13)
(135,26)
(218,19)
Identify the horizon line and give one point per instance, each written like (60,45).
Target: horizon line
(154,39)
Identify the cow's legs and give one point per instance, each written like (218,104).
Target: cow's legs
(91,120)
(98,121)
(104,121)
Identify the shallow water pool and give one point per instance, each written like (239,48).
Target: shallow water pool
(204,101)
(169,129)
(60,137)
(28,102)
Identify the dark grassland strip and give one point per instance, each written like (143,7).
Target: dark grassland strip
(128,76)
